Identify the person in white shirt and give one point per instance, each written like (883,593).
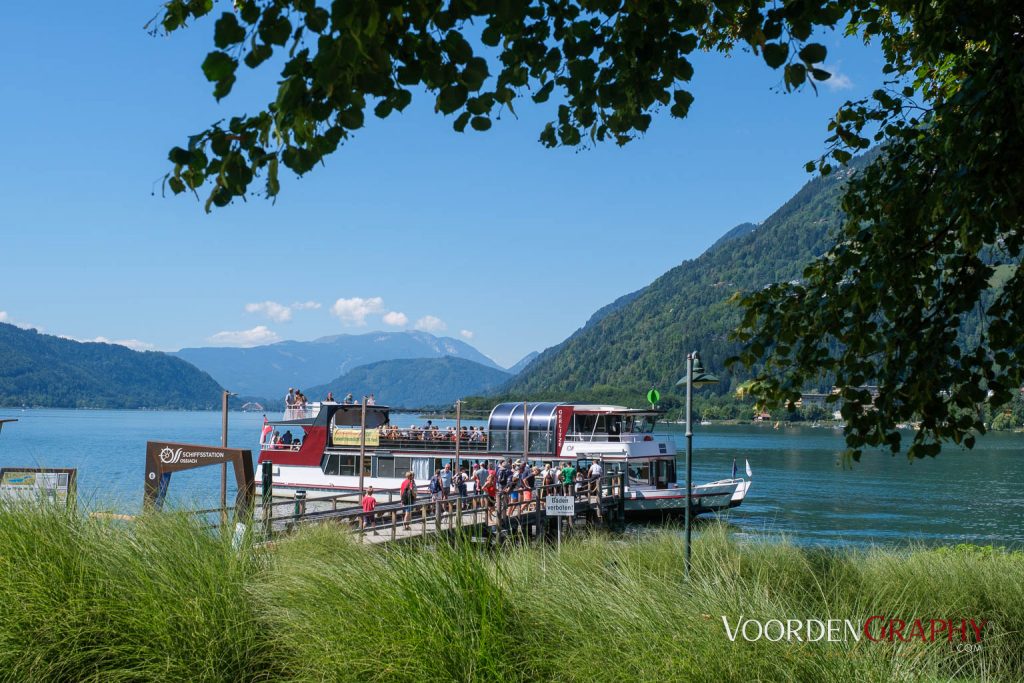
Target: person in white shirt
(594,474)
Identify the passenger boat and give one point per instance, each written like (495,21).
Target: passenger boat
(332,436)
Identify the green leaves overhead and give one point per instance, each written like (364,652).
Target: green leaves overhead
(775,54)
(227,31)
(218,65)
(922,294)
(813,53)
(611,65)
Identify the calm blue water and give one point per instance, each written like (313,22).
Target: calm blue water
(800,489)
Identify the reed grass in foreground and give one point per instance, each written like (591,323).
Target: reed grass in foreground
(164,600)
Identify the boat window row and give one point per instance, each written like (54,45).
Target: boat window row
(658,473)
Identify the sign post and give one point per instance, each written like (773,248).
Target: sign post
(38,483)
(163,458)
(653,396)
(558,507)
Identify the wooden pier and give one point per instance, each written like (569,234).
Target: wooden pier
(488,520)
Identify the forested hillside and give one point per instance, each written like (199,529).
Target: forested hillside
(43,370)
(641,340)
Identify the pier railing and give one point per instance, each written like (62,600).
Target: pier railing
(601,498)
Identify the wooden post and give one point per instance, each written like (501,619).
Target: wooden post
(394,524)
(268,496)
(537,523)
(622,503)
(224,465)
(424,516)
(362,445)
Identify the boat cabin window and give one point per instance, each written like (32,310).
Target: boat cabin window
(640,473)
(664,472)
(339,464)
(390,466)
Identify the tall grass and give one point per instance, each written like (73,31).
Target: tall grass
(162,599)
(165,600)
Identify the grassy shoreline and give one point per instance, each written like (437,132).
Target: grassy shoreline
(162,599)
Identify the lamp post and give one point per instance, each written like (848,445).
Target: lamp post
(695,376)
(224,466)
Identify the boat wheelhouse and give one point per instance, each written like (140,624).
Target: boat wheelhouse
(328,443)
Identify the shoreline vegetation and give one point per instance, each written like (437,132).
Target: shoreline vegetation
(164,599)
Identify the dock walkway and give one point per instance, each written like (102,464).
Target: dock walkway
(597,501)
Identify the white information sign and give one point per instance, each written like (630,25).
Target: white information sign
(560,506)
(18,484)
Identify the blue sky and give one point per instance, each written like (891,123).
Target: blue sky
(487,236)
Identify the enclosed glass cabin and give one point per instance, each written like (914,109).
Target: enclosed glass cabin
(510,423)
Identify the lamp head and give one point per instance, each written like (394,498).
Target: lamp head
(700,376)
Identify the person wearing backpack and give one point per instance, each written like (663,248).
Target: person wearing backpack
(435,487)
(408,495)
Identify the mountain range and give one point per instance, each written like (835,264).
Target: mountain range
(415,382)
(44,370)
(268,371)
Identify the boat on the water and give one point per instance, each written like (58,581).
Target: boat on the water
(333,438)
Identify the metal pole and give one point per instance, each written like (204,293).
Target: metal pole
(362,445)
(526,436)
(267,479)
(689,455)
(224,465)
(458,434)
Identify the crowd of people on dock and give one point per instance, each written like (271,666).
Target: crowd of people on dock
(517,486)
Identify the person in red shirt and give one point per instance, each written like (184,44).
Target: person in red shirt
(369,505)
(491,489)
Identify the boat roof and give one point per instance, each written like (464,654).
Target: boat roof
(342,414)
(600,409)
(542,416)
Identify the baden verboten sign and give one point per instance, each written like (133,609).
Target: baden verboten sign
(164,458)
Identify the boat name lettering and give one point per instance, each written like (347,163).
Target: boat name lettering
(172,456)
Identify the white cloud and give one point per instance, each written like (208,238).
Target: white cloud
(133,344)
(395,319)
(273,310)
(838,80)
(429,323)
(280,313)
(305,305)
(354,311)
(5,318)
(466,334)
(254,337)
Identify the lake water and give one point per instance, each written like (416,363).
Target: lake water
(800,486)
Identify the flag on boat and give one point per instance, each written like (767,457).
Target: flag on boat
(750,472)
(734,468)
(267,428)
